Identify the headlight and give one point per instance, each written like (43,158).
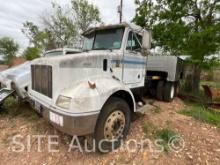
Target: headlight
(63,102)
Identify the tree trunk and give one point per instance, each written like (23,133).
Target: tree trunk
(192,83)
(196,79)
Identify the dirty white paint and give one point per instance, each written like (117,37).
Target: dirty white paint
(19,75)
(71,74)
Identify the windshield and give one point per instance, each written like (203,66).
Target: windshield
(104,39)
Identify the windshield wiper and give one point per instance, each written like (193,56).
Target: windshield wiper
(86,50)
(99,48)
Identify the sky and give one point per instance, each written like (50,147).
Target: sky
(15,12)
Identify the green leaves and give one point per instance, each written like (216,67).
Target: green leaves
(31,53)
(60,25)
(187,27)
(38,38)
(171,37)
(8,48)
(86,14)
(145,15)
(63,27)
(182,27)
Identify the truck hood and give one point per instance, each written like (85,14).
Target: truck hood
(20,75)
(69,70)
(84,56)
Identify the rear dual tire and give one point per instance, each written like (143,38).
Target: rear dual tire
(165,91)
(160,90)
(169,91)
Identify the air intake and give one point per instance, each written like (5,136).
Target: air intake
(41,76)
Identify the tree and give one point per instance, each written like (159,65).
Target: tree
(8,47)
(31,53)
(40,39)
(183,27)
(86,14)
(61,26)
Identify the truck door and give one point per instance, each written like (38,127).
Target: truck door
(133,62)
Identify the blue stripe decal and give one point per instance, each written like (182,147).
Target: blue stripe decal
(134,62)
(130,62)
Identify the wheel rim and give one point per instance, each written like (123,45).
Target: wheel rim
(172,92)
(114,125)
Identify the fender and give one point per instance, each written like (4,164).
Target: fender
(87,100)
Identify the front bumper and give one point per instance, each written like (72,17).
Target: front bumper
(73,125)
(4,93)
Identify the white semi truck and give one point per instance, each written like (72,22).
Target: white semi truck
(92,92)
(95,92)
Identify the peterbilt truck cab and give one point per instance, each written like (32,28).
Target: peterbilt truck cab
(93,92)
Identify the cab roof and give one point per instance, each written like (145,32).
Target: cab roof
(104,27)
(63,49)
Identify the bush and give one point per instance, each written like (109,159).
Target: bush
(10,106)
(164,134)
(31,53)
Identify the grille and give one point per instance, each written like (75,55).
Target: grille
(41,76)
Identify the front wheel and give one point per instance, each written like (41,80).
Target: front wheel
(169,91)
(112,125)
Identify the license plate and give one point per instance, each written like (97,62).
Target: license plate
(57,119)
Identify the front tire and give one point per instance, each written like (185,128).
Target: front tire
(169,91)
(113,125)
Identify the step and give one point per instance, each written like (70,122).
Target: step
(147,108)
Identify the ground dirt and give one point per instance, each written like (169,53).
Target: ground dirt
(200,143)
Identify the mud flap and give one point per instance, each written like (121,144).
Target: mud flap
(4,93)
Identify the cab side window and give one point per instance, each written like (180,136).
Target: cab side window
(134,42)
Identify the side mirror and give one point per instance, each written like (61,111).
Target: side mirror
(146,41)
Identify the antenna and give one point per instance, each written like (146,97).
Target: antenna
(120,11)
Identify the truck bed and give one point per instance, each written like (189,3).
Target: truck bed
(171,65)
